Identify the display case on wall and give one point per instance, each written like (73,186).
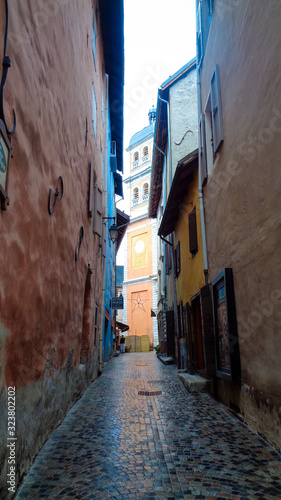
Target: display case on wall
(225,327)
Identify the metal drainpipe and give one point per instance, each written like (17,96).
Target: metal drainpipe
(172,237)
(201,197)
(165,201)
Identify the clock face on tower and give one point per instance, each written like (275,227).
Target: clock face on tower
(139,247)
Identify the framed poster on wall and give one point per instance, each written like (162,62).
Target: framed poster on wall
(225,327)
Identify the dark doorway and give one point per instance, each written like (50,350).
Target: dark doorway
(198,351)
(170,333)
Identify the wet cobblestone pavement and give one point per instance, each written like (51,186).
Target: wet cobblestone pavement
(118,442)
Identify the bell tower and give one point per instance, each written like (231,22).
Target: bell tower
(140,270)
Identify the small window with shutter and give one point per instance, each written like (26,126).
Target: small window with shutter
(177,260)
(98,211)
(216,110)
(168,259)
(91,190)
(193,242)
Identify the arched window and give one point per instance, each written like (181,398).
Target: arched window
(145,190)
(135,196)
(145,154)
(136,159)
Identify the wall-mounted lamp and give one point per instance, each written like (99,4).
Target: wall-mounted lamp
(113,230)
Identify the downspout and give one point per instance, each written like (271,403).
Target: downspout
(201,197)
(172,242)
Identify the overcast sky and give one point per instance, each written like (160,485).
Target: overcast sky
(159,40)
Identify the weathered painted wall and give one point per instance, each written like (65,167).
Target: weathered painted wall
(183,118)
(46,298)
(242,195)
(139,249)
(139,298)
(191,278)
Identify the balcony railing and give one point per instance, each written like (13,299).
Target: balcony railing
(136,163)
(145,158)
(135,201)
(145,197)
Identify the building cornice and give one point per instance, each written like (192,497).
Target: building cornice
(138,175)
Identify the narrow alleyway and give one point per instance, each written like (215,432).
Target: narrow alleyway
(119,442)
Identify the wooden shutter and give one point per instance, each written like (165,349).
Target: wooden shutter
(168,259)
(91,190)
(98,211)
(193,243)
(103,241)
(202,151)
(178,259)
(208,330)
(216,110)
(188,335)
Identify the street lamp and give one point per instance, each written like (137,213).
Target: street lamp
(113,231)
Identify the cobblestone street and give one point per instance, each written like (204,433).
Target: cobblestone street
(137,433)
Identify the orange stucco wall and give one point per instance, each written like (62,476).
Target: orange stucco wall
(139,297)
(47,299)
(144,265)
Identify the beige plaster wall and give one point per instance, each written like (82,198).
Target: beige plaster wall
(242,195)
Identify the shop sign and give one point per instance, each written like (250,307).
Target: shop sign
(117,302)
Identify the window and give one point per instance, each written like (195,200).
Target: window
(177,260)
(94,35)
(193,244)
(216,110)
(96,326)
(145,154)
(94,111)
(203,20)
(225,327)
(91,191)
(136,159)
(168,259)
(98,211)
(145,190)
(135,196)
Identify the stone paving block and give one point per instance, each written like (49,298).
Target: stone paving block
(194,383)
(118,444)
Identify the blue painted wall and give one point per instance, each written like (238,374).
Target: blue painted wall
(110,255)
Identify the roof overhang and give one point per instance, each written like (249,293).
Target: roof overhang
(159,147)
(123,221)
(112,26)
(182,178)
(122,326)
